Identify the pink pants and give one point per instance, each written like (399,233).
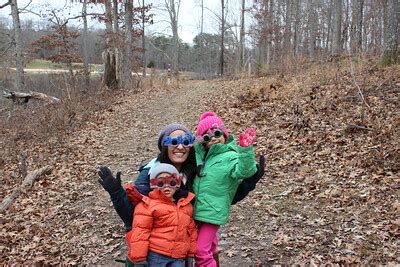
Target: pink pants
(206,244)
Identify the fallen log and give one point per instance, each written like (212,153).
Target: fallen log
(26,185)
(25,97)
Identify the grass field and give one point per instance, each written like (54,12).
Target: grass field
(47,64)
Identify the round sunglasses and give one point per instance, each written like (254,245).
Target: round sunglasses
(170,181)
(208,136)
(186,141)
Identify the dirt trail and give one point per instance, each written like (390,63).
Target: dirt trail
(329,195)
(67,217)
(131,133)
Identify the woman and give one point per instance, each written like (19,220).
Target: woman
(175,150)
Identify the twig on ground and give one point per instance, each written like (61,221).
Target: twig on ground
(27,184)
(352,126)
(355,83)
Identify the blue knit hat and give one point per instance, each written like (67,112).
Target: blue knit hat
(167,130)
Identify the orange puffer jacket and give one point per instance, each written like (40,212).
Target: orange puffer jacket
(161,226)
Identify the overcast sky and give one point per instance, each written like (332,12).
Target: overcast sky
(189,14)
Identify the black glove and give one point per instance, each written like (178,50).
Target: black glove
(107,180)
(249,184)
(260,170)
(189,262)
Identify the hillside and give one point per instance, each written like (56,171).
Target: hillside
(330,194)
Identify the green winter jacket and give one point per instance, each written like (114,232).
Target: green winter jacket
(221,171)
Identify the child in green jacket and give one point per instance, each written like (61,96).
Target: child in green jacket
(221,163)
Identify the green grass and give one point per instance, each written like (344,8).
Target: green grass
(47,64)
(40,64)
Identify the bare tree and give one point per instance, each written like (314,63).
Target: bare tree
(20,80)
(201,32)
(288,27)
(390,55)
(296,33)
(144,59)
(337,28)
(312,25)
(269,36)
(126,59)
(242,33)
(85,45)
(115,16)
(360,24)
(222,48)
(173,11)
(109,56)
(357,7)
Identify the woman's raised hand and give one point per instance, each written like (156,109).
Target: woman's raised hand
(110,183)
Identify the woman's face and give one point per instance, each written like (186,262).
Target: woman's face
(178,154)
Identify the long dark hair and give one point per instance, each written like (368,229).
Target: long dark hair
(188,167)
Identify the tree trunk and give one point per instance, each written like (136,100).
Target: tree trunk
(173,11)
(85,46)
(144,59)
(360,25)
(312,22)
(23,98)
(118,43)
(385,22)
(354,26)
(296,30)
(202,40)
(288,28)
(109,57)
(126,68)
(270,34)
(390,55)
(329,26)
(222,48)
(262,34)
(241,40)
(337,28)
(20,80)
(115,16)
(347,26)
(129,43)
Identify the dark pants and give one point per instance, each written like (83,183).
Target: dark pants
(158,260)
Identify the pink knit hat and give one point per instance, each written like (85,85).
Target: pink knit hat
(209,120)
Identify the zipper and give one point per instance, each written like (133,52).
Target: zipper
(203,164)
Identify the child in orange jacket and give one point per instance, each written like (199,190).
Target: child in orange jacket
(163,232)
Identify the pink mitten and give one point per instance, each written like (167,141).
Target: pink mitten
(247,138)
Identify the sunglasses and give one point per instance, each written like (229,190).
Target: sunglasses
(170,181)
(186,141)
(217,133)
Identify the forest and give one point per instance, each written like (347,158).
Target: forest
(86,83)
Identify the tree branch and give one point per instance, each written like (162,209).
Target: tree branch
(26,185)
(6,50)
(22,9)
(156,48)
(4,5)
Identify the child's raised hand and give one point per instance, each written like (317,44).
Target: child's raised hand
(247,138)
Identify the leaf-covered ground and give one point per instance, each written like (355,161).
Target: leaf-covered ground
(330,193)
